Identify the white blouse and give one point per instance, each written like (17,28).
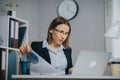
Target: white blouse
(58,59)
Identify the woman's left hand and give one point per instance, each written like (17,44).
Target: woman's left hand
(70,70)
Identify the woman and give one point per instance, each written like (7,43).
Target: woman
(56,48)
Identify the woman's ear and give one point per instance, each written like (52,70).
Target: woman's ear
(51,31)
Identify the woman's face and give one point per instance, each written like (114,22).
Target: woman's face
(60,33)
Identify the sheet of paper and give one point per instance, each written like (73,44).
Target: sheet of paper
(42,67)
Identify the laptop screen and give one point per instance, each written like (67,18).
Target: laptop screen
(91,63)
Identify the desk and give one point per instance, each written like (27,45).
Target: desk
(63,77)
(107,76)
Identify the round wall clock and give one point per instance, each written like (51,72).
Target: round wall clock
(68,9)
(1,40)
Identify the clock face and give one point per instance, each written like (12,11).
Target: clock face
(68,9)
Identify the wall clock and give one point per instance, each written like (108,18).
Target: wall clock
(1,40)
(68,9)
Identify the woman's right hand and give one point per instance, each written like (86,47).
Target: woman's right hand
(25,49)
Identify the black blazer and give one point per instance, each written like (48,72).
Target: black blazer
(44,53)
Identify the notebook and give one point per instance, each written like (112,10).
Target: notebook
(91,63)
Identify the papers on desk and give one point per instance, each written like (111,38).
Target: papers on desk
(41,66)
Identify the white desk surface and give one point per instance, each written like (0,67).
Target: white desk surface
(62,77)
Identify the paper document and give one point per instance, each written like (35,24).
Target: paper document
(41,66)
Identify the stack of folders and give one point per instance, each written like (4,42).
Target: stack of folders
(16,33)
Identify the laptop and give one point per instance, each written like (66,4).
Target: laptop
(91,63)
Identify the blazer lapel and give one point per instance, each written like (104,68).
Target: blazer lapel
(45,54)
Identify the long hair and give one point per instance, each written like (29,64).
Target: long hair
(57,21)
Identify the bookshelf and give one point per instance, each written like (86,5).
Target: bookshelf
(13,33)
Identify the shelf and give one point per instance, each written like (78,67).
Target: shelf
(14,33)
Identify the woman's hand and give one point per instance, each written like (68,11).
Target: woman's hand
(70,70)
(25,49)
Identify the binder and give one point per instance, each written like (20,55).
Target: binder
(3,59)
(22,31)
(11,33)
(0,59)
(2,64)
(16,35)
(12,64)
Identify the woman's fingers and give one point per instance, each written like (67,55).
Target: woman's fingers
(24,49)
(28,48)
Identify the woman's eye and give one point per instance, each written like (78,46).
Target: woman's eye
(61,31)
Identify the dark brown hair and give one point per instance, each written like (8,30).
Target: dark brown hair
(57,21)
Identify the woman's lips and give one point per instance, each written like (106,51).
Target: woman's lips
(60,40)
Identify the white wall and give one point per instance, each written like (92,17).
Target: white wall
(87,27)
